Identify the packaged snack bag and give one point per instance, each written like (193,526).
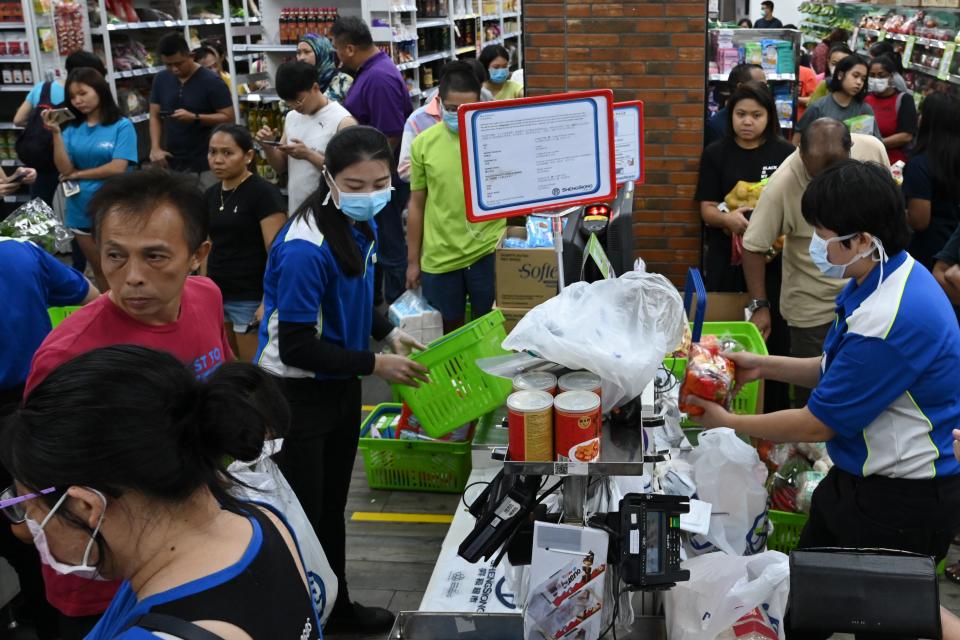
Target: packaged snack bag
(710,375)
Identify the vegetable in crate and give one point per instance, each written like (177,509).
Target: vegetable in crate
(710,375)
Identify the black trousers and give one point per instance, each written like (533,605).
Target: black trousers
(891,513)
(317,459)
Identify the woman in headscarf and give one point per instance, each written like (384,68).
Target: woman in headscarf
(319,51)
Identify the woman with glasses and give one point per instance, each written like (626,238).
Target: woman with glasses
(310,123)
(143,497)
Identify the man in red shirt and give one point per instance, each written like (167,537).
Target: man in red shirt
(151,230)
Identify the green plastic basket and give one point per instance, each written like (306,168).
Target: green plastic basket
(787,528)
(58,314)
(459,392)
(746,334)
(413,465)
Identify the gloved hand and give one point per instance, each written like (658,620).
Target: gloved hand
(402,343)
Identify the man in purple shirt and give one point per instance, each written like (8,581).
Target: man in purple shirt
(379,98)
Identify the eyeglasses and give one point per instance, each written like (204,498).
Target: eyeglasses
(295,104)
(10,503)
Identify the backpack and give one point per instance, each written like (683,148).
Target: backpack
(35,143)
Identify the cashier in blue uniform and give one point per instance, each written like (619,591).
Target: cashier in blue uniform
(885,396)
(315,337)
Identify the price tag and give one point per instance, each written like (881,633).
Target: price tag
(577,468)
(600,257)
(946,61)
(908,51)
(854,39)
(168,23)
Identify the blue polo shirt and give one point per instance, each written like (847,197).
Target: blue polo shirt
(304,283)
(888,386)
(203,93)
(32,281)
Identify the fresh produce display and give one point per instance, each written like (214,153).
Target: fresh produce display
(710,375)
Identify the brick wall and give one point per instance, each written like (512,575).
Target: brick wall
(650,50)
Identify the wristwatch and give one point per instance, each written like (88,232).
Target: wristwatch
(196,117)
(756,304)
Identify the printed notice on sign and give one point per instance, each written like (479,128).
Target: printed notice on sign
(537,154)
(628,141)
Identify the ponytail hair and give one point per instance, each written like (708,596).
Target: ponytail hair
(127,418)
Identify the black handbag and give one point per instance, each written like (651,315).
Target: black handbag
(864,591)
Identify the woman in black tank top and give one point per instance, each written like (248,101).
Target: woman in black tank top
(133,450)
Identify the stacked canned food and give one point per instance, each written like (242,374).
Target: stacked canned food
(555,420)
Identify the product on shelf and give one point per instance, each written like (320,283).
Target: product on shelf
(68,22)
(11,12)
(296,22)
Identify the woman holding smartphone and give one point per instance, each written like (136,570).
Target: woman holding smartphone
(246,212)
(97,144)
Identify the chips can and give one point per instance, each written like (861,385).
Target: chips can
(577,420)
(536,381)
(530,416)
(580,381)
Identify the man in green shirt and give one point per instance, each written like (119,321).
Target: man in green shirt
(449,256)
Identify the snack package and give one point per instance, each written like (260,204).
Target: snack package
(710,375)
(861,124)
(539,235)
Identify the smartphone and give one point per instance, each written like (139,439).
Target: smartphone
(272,143)
(18,176)
(61,115)
(165,114)
(70,188)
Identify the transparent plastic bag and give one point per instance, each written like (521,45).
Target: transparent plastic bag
(36,221)
(620,329)
(710,375)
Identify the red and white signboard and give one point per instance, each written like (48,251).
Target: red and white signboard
(628,141)
(537,154)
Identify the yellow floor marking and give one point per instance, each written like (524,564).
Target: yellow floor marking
(431,518)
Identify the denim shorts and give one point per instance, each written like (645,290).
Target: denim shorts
(240,313)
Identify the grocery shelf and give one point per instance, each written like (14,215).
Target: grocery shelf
(404,38)
(497,40)
(135,73)
(260,97)
(18,198)
(404,9)
(9,126)
(14,58)
(786,124)
(265,48)
(439,55)
(463,50)
(433,22)
(404,66)
(416,93)
(513,14)
(16,87)
(140,117)
(13,25)
(10,162)
(469,16)
(722,77)
(953,79)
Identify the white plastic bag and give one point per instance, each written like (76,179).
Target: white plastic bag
(722,589)
(729,475)
(620,329)
(267,485)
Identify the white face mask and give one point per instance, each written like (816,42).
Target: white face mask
(818,254)
(878,85)
(46,556)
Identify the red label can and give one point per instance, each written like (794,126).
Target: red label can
(577,420)
(536,381)
(580,381)
(530,415)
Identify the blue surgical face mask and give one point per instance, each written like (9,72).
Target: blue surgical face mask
(818,253)
(361,207)
(499,76)
(450,119)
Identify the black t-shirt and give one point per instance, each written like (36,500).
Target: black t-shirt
(763,23)
(203,93)
(919,183)
(722,165)
(238,258)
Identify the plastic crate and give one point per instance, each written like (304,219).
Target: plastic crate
(58,314)
(787,528)
(459,392)
(413,465)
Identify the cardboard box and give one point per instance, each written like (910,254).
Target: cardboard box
(512,315)
(525,277)
(722,307)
